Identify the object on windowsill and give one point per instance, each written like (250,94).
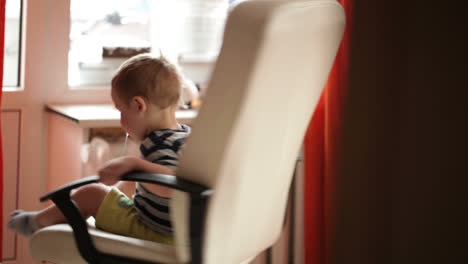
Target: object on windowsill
(195,104)
(123,52)
(189,91)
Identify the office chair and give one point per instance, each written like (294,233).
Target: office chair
(231,187)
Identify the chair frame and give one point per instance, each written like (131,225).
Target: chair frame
(199,196)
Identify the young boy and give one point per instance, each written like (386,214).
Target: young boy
(146,91)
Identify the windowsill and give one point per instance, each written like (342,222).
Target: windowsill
(12,89)
(89,87)
(209,59)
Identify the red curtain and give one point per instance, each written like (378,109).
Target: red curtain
(2,42)
(320,154)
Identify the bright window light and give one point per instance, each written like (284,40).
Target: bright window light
(104,33)
(12,51)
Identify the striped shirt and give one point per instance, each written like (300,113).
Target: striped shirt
(161,147)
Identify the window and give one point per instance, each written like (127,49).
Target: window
(103,36)
(12,51)
(100,38)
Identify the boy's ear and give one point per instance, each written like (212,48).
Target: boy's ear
(139,104)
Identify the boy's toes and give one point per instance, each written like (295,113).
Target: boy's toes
(16,212)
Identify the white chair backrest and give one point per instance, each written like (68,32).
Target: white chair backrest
(273,65)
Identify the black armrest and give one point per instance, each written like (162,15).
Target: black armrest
(199,196)
(61,197)
(68,187)
(170,181)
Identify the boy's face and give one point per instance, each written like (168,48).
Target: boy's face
(130,118)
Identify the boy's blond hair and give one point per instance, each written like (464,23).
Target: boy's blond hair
(154,78)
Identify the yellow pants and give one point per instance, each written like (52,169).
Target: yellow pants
(117,215)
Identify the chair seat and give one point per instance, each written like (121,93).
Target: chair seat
(59,239)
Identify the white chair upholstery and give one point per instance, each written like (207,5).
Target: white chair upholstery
(56,245)
(273,65)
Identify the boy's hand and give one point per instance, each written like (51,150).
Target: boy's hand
(111,172)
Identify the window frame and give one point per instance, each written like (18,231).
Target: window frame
(18,86)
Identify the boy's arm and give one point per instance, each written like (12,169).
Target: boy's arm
(113,170)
